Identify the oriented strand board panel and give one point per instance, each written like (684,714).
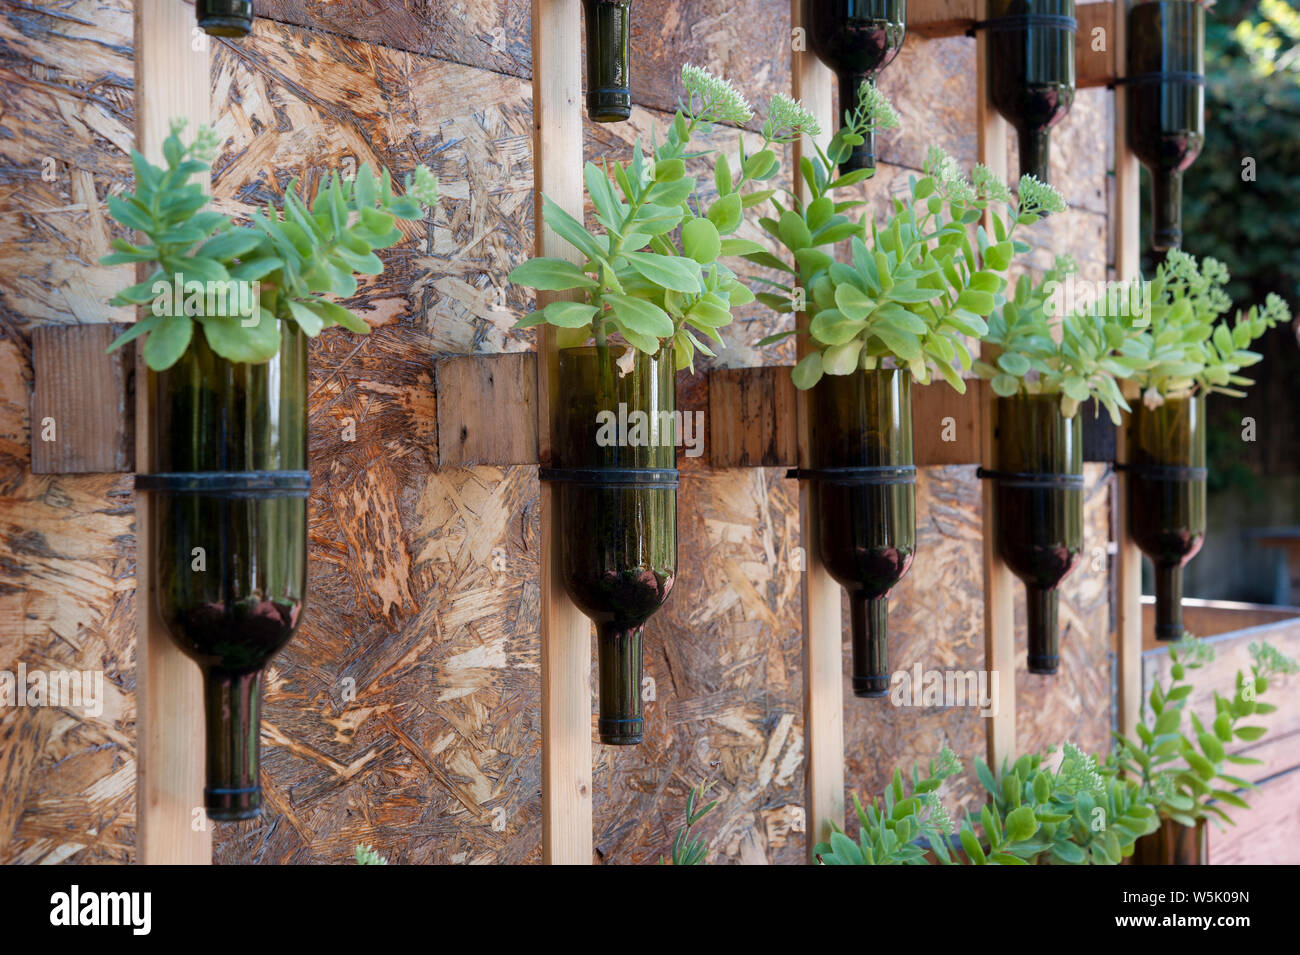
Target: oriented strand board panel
(496,35)
(67,774)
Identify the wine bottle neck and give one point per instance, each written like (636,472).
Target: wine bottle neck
(864,155)
(618,653)
(1167,209)
(234,708)
(1169,601)
(869,634)
(609,97)
(1042,613)
(1035,153)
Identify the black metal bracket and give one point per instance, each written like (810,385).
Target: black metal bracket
(1031,478)
(228,483)
(612,477)
(1018,21)
(900,474)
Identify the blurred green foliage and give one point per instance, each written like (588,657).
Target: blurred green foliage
(1252,112)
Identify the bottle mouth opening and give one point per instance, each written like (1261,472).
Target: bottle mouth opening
(226,26)
(609,104)
(1044,663)
(233,805)
(870,687)
(621,732)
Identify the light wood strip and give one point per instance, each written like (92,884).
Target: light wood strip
(999,617)
(171,81)
(566,633)
(1126,217)
(823,668)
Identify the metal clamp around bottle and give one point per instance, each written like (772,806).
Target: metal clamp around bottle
(899,474)
(612,477)
(1020,21)
(1069,482)
(230,484)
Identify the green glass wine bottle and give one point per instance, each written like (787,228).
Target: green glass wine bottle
(615,464)
(609,94)
(1038,499)
(229,18)
(228,501)
(1166,463)
(1166,103)
(864,482)
(1031,72)
(857,39)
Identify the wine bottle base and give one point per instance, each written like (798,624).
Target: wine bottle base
(621,732)
(1045,665)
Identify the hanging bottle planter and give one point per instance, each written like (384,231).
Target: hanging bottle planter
(860,449)
(1173,844)
(1038,475)
(609,96)
(229,504)
(1031,72)
(857,39)
(1166,500)
(231,18)
(1166,103)
(616,468)
(227,385)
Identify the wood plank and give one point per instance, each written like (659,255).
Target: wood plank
(823,654)
(752,420)
(1232,654)
(1266,834)
(82,419)
(486,409)
(1094,55)
(946,425)
(999,609)
(1128,564)
(566,633)
(171,80)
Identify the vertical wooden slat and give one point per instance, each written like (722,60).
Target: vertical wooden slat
(999,616)
(171,81)
(823,667)
(566,633)
(1127,224)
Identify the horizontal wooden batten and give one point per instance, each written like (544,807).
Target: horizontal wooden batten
(751,420)
(487,409)
(83,416)
(486,416)
(1094,51)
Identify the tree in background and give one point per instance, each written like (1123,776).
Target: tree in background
(1240,207)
